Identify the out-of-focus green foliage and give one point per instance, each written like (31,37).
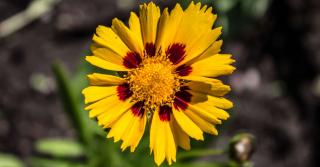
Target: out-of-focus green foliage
(7,160)
(72,105)
(59,148)
(199,153)
(43,162)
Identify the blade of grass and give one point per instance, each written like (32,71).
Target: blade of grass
(70,104)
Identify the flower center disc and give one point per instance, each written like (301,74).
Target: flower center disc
(153,82)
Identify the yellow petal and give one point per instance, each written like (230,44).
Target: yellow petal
(132,40)
(153,130)
(162,142)
(160,145)
(209,86)
(129,128)
(149,17)
(217,112)
(104,80)
(195,31)
(204,114)
(162,30)
(120,125)
(168,26)
(108,55)
(202,44)
(213,66)
(94,93)
(96,61)
(139,134)
(103,102)
(202,123)
(187,125)
(134,132)
(170,143)
(95,46)
(207,107)
(180,137)
(210,104)
(108,38)
(112,114)
(220,102)
(157,139)
(214,49)
(134,24)
(102,105)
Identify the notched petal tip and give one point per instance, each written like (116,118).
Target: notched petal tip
(201,138)
(209,10)
(224,104)
(219,29)
(198,5)
(158,162)
(230,105)
(177,7)
(216,133)
(100,28)
(147,5)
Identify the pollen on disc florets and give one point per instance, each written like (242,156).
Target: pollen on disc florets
(153,82)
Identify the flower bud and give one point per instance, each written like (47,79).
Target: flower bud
(241,147)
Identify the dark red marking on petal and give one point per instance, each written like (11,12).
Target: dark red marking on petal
(176,52)
(182,98)
(165,113)
(137,109)
(184,88)
(184,70)
(124,92)
(150,49)
(132,60)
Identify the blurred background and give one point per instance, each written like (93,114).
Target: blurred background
(275,89)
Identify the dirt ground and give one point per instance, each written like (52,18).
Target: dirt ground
(274,89)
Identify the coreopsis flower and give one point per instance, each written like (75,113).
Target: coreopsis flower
(167,64)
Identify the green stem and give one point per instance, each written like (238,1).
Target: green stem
(200,153)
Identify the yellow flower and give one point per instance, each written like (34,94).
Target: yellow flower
(168,62)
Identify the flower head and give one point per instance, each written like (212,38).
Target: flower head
(169,62)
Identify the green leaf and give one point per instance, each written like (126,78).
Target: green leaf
(60,148)
(7,160)
(41,162)
(71,105)
(107,153)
